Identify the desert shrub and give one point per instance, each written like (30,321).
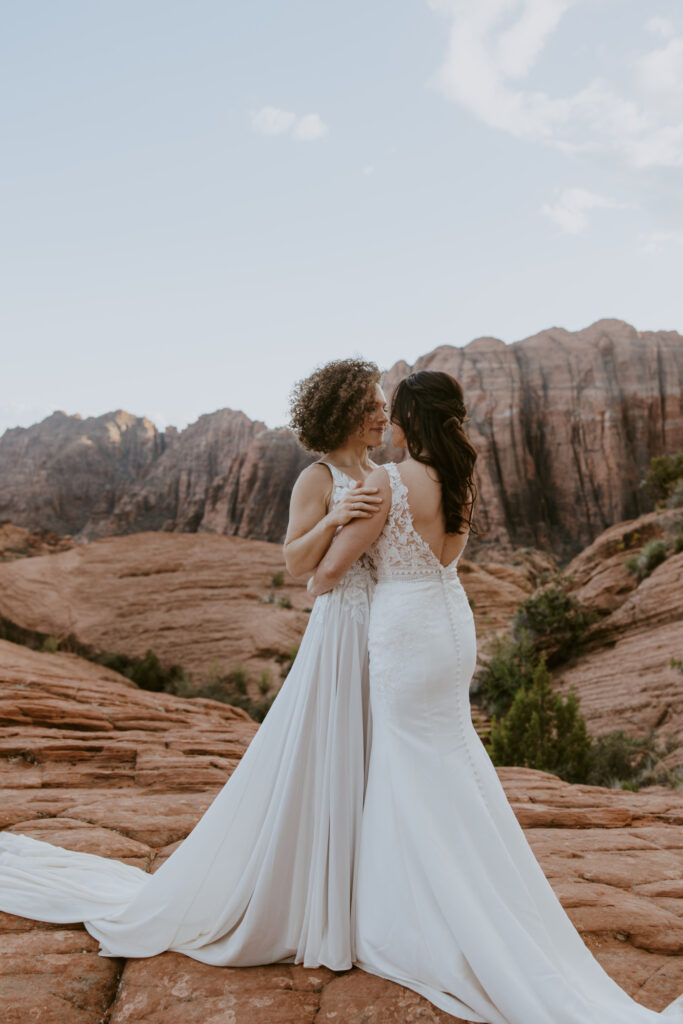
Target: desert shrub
(50,644)
(284,601)
(542,730)
(265,681)
(676,663)
(278,579)
(678,544)
(663,474)
(510,667)
(675,499)
(555,622)
(628,761)
(652,555)
(238,679)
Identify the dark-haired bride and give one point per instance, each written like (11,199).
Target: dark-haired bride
(266,874)
(449,899)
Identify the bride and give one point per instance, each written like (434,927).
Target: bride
(449,899)
(266,875)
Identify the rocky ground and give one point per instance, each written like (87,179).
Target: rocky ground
(624,678)
(90,762)
(203,601)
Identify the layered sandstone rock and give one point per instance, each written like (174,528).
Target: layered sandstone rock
(201,601)
(17,542)
(565,424)
(117,474)
(91,763)
(624,677)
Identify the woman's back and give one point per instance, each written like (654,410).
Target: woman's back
(426,511)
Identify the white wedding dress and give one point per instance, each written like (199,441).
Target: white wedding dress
(450,900)
(267,873)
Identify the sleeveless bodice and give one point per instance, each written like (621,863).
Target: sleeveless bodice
(356,586)
(400,553)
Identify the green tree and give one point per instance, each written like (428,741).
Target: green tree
(555,622)
(541,730)
(662,475)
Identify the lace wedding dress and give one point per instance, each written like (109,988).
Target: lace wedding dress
(267,873)
(450,900)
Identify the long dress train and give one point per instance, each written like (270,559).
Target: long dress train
(267,873)
(450,899)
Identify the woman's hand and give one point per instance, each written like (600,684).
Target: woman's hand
(360,502)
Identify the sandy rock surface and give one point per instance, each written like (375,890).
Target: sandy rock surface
(202,601)
(624,678)
(89,762)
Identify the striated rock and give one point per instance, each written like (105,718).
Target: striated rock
(197,600)
(200,600)
(127,774)
(565,424)
(60,473)
(624,678)
(117,474)
(17,542)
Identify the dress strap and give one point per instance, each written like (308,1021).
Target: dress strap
(399,491)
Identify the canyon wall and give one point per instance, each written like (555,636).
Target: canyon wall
(565,425)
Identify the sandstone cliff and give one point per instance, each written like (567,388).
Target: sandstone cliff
(91,763)
(117,474)
(565,424)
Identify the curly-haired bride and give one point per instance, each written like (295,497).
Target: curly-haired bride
(266,874)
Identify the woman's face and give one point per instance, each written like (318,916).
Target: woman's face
(376,419)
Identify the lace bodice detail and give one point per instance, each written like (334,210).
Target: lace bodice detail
(356,585)
(400,552)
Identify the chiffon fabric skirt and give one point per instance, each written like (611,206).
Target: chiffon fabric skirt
(267,873)
(450,900)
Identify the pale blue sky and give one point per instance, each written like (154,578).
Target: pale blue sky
(201,201)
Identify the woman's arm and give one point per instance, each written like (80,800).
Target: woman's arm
(353,540)
(311,527)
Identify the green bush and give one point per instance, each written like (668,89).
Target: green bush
(284,601)
(628,761)
(541,730)
(265,681)
(278,579)
(652,555)
(50,644)
(675,499)
(510,667)
(555,622)
(678,544)
(663,474)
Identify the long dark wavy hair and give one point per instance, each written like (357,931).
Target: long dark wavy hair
(430,410)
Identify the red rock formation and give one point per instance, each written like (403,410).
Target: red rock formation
(623,677)
(197,600)
(565,424)
(91,763)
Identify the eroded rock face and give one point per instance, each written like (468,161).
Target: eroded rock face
(117,474)
(196,600)
(565,424)
(91,763)
(623,677)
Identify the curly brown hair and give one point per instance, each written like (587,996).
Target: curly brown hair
(329,405)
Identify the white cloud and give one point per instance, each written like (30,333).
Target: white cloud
(495,44)
(273,121)
(570,210)
(309,128)
(655,240)
(660,27)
